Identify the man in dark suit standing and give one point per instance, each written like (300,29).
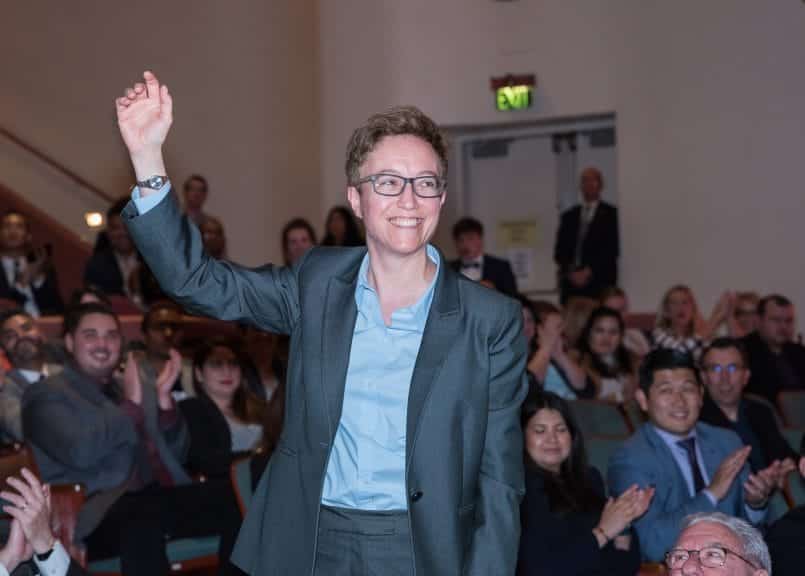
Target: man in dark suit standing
(587,243)
(401,451)
(468,234)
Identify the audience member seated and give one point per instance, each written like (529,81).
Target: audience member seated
(126,449)
(587,242)
(605,359)
(694,467)
(116,267)
(576,313)
(298,237)
(265,361)
(776,361)
(28,277)
(569,526)
(163,331)
(715,543)
(472,262)
(786,537)
(224,418)
(743,318)
(680,325)
(194,195)
(213,237)
(549,363)
(25,347)
(724,372)
(86,295)
(341,228)
(31,547)
(634,339)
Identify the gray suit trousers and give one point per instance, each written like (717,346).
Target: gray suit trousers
(363,543)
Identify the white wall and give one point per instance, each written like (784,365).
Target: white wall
(708,97)
(244,76)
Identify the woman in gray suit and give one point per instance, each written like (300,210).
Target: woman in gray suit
(401,451)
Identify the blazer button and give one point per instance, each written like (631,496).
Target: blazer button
(416,495)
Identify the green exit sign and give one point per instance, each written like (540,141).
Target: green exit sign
(513,97)
(514,92)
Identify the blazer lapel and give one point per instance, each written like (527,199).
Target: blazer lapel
(340,314)
(440,332)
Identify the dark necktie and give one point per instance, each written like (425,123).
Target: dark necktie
(689,444)
(584,224)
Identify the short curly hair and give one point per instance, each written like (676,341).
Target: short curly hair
(397,121)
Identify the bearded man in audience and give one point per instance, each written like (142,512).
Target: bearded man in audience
(125,448)
(25,347)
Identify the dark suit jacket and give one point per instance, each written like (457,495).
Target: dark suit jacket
(496,270)
(564,544)
(464,469)
(646,460)
(210,439)
(103,272)
(79,435)
(770,442)
(599,252)
(764,379)
(47,296)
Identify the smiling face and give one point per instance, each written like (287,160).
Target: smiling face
(397,226)
(725,376)
(548,440)
(95,345)
(673,401)
(220,375)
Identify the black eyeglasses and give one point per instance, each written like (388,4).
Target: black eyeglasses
(709,557)
(393,185)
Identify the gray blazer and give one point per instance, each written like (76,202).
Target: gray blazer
(79,435)
(464,471)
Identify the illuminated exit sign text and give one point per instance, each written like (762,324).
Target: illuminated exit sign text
(514,92)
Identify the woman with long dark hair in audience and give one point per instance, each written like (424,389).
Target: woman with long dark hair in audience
(605,359)
(224,419)
(549,365)
(341,228)
(569,526)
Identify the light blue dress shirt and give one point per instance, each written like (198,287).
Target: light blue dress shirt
(366,469)
(554,382)
(681,458)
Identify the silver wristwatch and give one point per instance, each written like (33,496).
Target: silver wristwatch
(154,182)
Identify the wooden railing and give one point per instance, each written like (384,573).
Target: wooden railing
(56,165)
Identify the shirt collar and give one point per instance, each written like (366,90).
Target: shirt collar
(672,439)
(411,318)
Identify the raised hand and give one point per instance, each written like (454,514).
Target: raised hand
(620,512)
(144,116)
(758,487)
(17,548)
(727,471)
(31,507)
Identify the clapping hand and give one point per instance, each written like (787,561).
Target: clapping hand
(30,529)
(167,376)
(620,512)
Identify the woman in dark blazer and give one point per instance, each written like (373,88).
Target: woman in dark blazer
(569,526)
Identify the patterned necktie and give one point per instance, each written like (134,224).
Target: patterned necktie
(689,445)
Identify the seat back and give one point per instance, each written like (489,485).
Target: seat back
(792,407)
(600,449)
(599,418)
(65,502)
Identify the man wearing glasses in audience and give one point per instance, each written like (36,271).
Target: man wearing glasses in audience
(724,372)
(713,543)
(401,451)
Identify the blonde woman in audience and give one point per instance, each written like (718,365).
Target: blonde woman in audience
(680,324)
(633,338)
(604,358)
(569,526)
(549,362)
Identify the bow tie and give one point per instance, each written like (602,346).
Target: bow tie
(470,265)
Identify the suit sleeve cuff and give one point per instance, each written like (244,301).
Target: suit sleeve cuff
(57,564)
(755,515)
(144,204)
(713,500)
